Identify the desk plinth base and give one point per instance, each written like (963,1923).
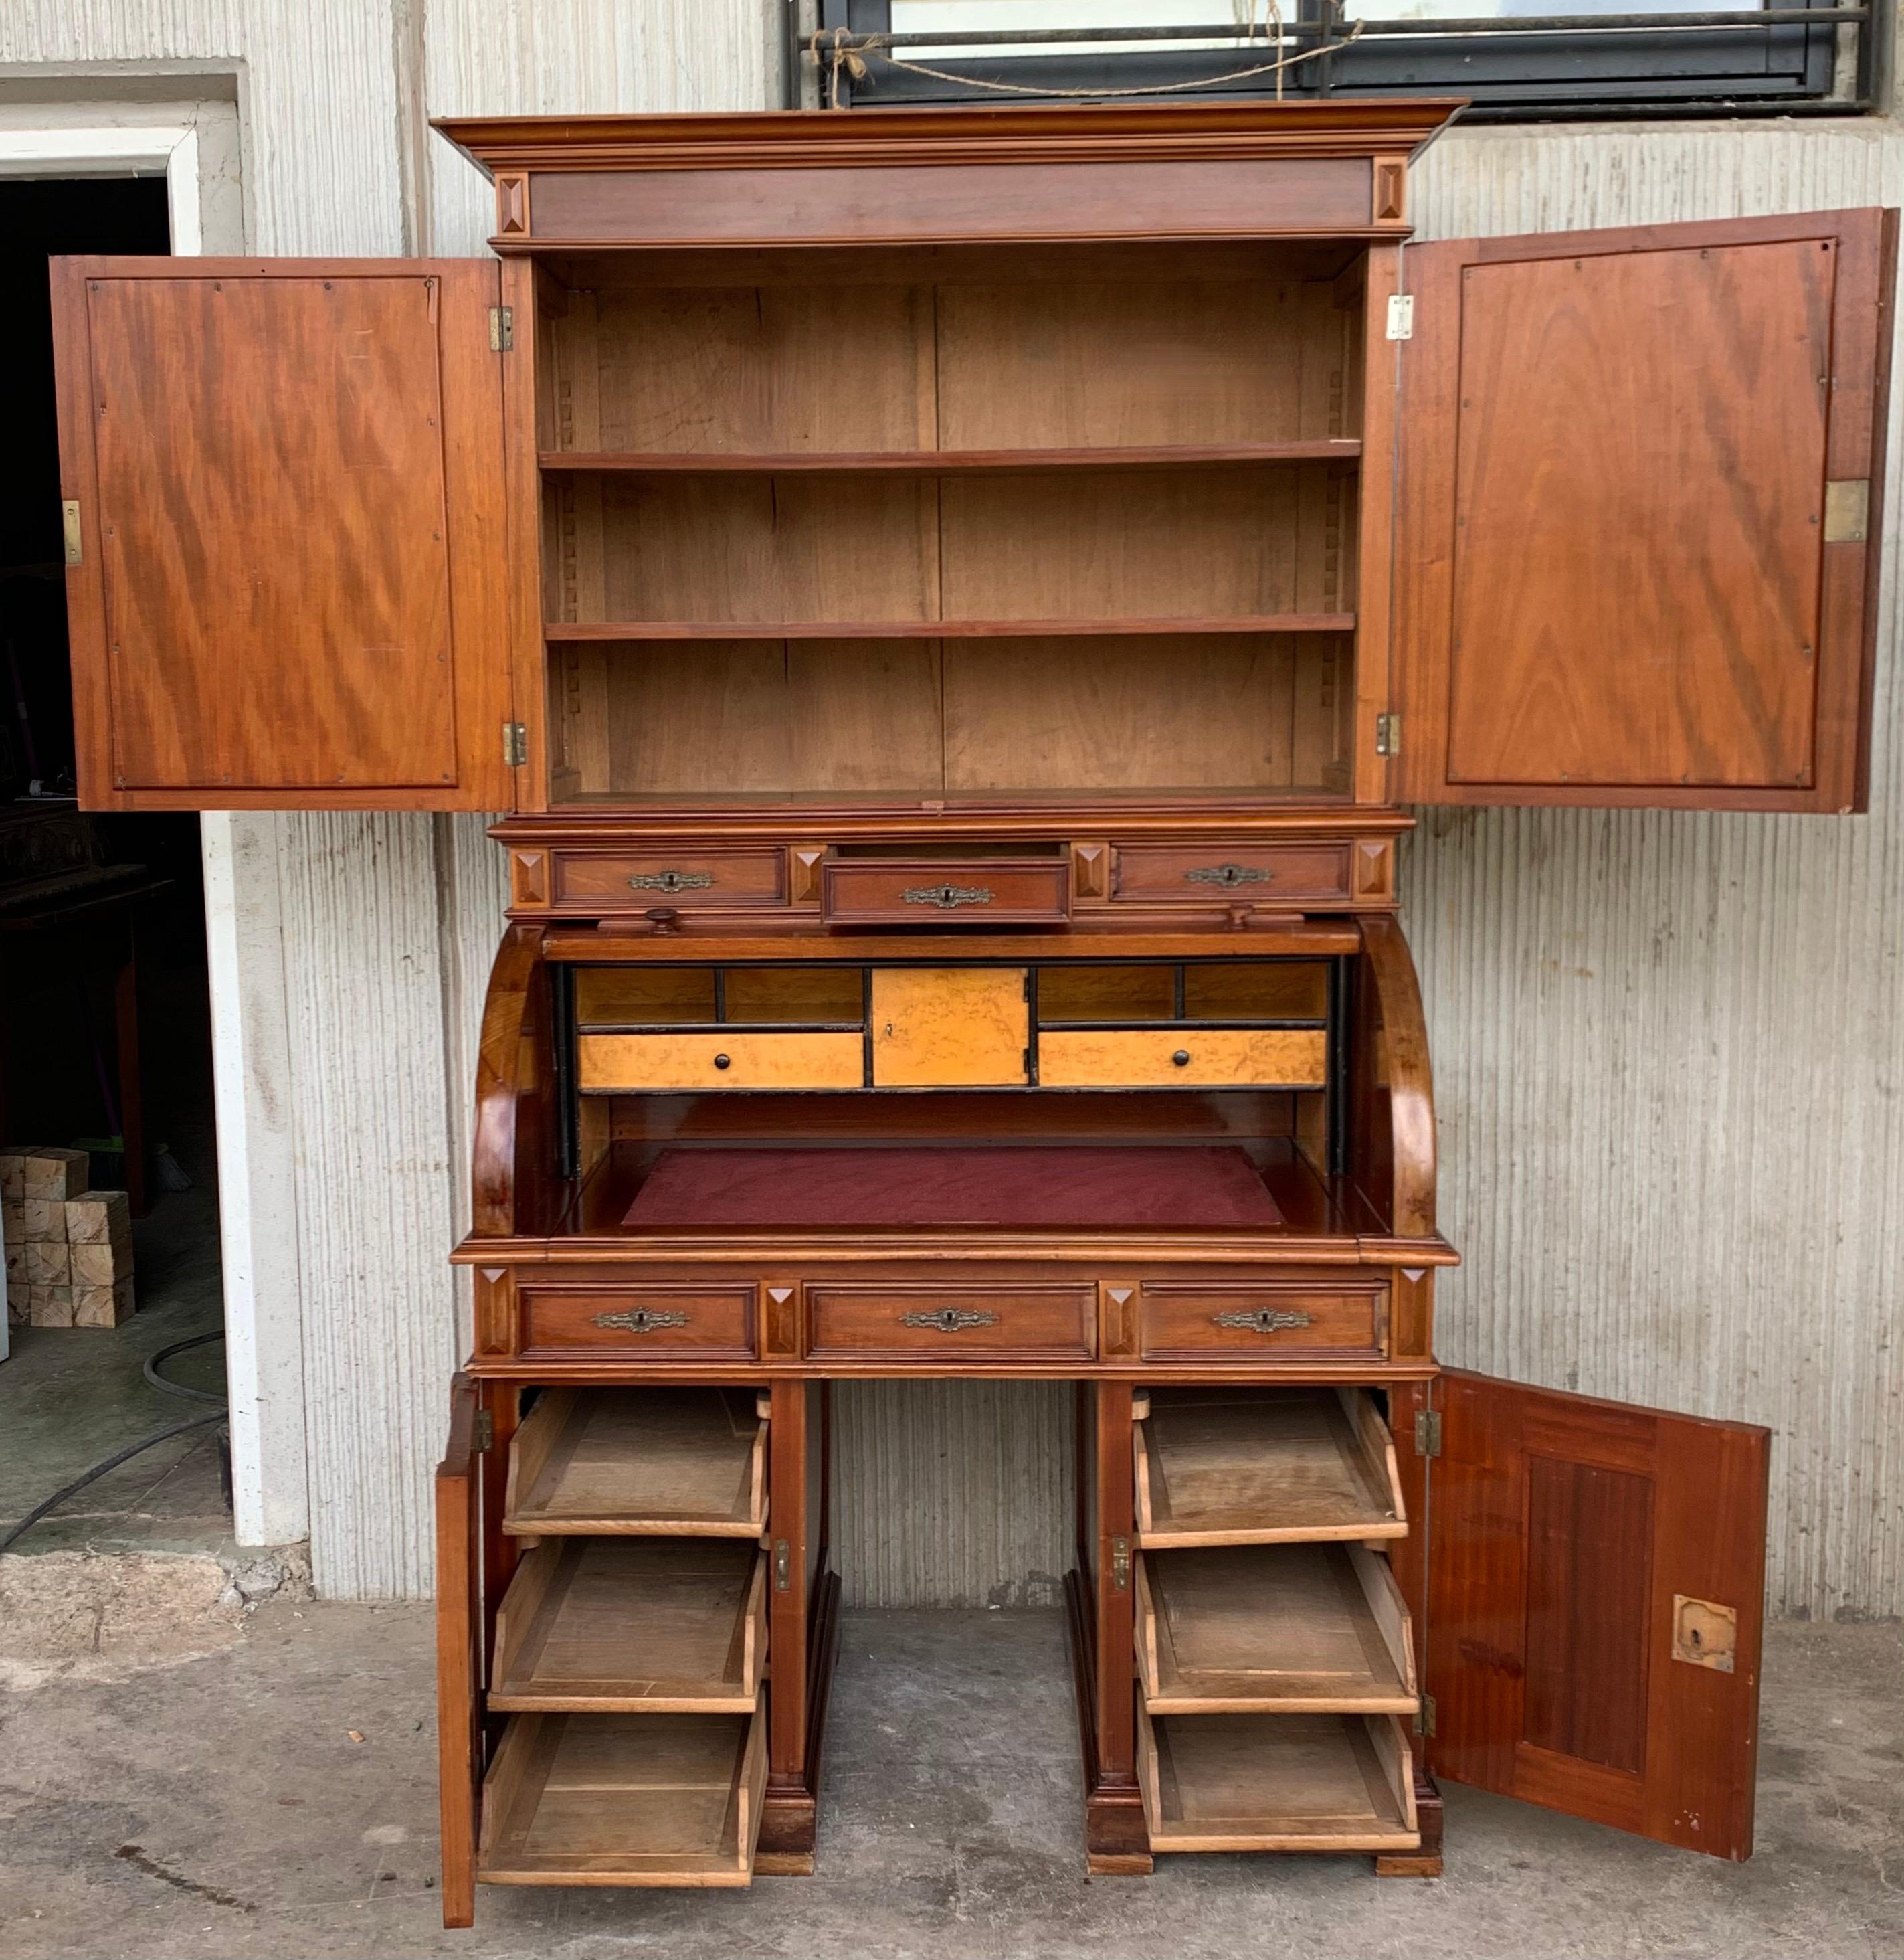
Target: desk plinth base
(789,1817)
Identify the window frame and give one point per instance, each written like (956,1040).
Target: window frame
(1775,67)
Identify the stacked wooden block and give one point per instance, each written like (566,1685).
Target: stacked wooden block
(69,1250)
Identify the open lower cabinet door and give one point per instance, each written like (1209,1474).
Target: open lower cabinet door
(287,573)
(1637,521)
(1595,1601)
(459,1653)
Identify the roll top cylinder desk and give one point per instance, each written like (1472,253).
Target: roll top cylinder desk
(952,604)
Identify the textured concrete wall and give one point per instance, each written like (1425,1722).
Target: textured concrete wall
(1669,1049)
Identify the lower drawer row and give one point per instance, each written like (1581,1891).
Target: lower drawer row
(610,1316)
(676,1800)
(1274,1659)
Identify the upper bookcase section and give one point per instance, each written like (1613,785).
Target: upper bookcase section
(1202,170)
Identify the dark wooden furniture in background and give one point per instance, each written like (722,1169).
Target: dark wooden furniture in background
(951,602)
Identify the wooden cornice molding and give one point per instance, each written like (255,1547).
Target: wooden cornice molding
(810,139)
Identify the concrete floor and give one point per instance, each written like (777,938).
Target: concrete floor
(71,1396)
(153,1803)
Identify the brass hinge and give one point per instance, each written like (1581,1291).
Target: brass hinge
(1121,1565)
(1388,734)
(1401,316)
(783,1566)
(69,524)
(1425,1716)
(1427,1432)
(502,328)
(515,744)
(483,1432)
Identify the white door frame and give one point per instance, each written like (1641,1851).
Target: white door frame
(195,144)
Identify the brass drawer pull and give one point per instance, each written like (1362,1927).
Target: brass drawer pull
(1264,1320)
(947,898)
(947,1319)
(671,881)
(1228,875)
(641,1320)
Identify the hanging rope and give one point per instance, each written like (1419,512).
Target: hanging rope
(844,50)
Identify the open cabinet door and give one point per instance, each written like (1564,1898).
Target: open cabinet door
(287,573)
(1595,1599)
(1637,524)
(459,1644)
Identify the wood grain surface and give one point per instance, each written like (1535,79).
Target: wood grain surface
(1563,1530)
(292,475)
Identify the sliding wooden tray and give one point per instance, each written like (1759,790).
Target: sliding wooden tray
(1285,1629)
(1277,1783)
(654,1462)
(625,1800)
(654,1625)
(1264,1466)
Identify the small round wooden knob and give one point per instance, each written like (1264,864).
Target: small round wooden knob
(1182,1058)
(721,1061)
(663,918)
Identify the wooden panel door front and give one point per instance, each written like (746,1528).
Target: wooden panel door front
(460,1652)
(1636,526)
(1595,1599)
(291,589)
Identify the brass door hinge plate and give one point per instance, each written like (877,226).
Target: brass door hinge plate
(515,744)
(1705,1635)
(69,527)
(1121,1565)
(483,1432)
(783,1566)
(1401,316)
(502,330)
(1848,510)
(1427,1432)
(1388,734)
(1425,1716)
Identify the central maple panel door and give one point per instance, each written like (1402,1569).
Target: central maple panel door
(1637,514)
(1595,1599)
(293,576)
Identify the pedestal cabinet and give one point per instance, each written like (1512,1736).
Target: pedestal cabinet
(950,602)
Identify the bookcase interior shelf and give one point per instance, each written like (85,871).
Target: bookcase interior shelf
(954,524)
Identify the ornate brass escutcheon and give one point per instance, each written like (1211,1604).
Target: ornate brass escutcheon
(641,1320)
(947,1319)
(947,898)
(1264,1320)
(1228,875)
(671,881)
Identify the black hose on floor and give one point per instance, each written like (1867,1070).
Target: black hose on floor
(172,1388)
(125,1455)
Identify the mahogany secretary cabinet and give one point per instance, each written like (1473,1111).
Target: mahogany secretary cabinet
(951,602)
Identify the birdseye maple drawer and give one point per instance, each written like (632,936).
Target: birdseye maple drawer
(609,1063)
(689,880)
(944,891)
(1189,1321)
(1182,1057)
(949,1324)
(636,1322)
(1267,875)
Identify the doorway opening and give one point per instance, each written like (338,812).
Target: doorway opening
(108,1169)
